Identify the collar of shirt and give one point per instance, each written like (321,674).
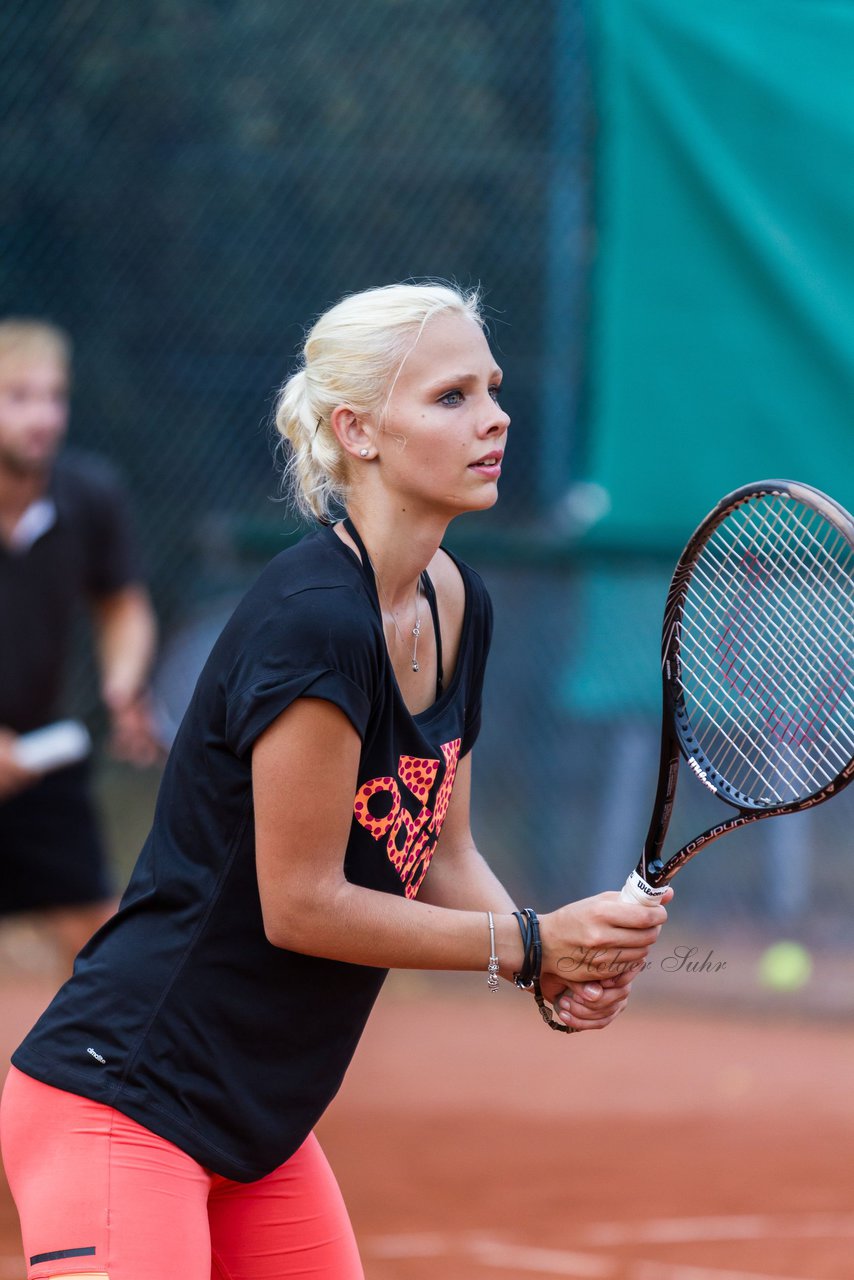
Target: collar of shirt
(39,517)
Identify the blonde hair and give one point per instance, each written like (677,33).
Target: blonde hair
(352,355)
(26,337)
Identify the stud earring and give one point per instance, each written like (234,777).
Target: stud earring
(363,453)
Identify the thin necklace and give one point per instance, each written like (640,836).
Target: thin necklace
(416,630)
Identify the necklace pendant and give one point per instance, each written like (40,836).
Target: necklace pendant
(415,666)
(416,630)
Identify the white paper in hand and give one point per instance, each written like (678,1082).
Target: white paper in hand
(53,747)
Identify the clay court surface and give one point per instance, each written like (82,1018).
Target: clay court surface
(688,1142)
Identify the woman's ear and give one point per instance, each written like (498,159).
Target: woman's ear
(353,433)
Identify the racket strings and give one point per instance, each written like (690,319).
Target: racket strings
(785,632)
(790,624)
(770,771)
(748,764)
(785,624)
(792,720)
(741,627)
(766,640)
(819,586)
(781,607)
(830,669)
(784,720)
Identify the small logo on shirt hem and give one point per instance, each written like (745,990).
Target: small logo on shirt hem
(97,1056)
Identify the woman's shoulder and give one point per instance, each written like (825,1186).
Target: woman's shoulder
(317,565)
(310,593)
(459,583)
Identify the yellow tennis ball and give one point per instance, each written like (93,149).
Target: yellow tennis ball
(785,966)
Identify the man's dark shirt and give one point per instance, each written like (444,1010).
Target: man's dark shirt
(87,553)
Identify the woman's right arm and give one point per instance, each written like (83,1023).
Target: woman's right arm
(304,772)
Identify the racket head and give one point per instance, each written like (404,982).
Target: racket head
(758,658)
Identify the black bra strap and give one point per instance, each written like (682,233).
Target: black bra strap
(430,593)
(367,567)
(427,587)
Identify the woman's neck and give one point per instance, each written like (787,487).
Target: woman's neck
(399,547)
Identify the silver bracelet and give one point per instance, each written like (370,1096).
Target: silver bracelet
(492,968)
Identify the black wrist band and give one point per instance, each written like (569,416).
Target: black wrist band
(524,977)
(532,966)
(536,944)
(532,959)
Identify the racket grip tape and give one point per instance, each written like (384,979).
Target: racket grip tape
(636,889)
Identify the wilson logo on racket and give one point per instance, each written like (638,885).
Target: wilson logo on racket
(701,774)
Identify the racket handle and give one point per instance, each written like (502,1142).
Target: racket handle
(636,889)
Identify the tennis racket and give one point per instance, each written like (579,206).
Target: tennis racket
(757,654)
(757,661)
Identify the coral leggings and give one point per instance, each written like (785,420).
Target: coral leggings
(99,1195)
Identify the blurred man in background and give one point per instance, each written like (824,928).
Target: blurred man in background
(65,539)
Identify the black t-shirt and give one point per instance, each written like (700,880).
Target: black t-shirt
(87,553)
(180,1012)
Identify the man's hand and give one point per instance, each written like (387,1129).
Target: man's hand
(13,778)
(126,632)
(134,737)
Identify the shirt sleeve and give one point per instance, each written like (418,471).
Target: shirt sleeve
(315,644)
(113,560)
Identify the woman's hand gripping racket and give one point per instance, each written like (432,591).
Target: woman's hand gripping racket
(757,656)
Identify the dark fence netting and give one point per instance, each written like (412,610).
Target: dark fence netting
(187,183)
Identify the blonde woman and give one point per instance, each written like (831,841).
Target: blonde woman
(312,832)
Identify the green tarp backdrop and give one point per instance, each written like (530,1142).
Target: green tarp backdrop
(722,348)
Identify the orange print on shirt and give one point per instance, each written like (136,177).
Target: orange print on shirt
(410,834)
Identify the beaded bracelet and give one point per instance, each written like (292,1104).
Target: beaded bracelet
(492,968)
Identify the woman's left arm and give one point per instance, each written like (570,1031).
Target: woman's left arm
(460,877)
